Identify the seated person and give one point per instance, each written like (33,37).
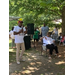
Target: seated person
(62,41)
(49,43)
(60,36)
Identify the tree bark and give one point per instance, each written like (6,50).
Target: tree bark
(63,20)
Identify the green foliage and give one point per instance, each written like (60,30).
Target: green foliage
(12,23)
(36,11)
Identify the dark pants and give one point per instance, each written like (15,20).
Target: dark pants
(51,47)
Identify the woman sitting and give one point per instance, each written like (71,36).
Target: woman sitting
(49,43)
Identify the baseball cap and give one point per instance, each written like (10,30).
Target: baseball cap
(20,20)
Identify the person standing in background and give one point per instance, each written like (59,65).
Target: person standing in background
(19,35)
(40,35)
(55,31)
(36,37)
(44,30)
(12,36)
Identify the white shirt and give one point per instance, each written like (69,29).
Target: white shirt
(49,40)
(55,31)
(19,37)
(12,35)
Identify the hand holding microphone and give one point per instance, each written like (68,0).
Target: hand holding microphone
(21,31)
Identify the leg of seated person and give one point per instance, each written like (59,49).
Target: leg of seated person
(56,49)
(50,47)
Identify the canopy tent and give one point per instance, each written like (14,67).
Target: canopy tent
(13,18)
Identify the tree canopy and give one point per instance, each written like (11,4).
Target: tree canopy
(37,11)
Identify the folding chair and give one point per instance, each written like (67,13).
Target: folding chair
(44,49)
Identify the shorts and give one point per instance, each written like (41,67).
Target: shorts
(36,40)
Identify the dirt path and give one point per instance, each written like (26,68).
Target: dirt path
(36,64)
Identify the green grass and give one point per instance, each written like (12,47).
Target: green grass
(12,53)
(62,66)
(12,57)
(60,74)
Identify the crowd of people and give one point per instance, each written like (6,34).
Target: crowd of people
(48,38)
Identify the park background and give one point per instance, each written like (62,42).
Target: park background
(50,12)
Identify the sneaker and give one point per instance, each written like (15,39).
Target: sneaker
(18,62)
(49,57)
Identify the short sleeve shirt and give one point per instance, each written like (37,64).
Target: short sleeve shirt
(49,40)
(19,37)
(44,30)
(35,36)
(12,35)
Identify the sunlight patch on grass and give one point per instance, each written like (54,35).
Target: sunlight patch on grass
(10,63)
(26,71)
(33,56)
(11,50)
(30,59)
(39,63)
(60,62)
(32,63)
(23,67)
(31,68)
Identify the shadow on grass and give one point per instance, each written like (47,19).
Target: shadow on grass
(12,54)
(42,66)
(38,65)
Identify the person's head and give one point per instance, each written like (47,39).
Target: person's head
(49,34)
(63,35)
(60,34)
(44,24)
(20,23)
(26,28)
(56,27)
(35,29)
(12,28)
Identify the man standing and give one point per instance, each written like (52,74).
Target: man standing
(19,35)
(44,30)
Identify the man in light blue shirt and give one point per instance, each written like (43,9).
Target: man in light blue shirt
(44,30)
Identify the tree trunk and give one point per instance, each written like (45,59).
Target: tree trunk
(63,20)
